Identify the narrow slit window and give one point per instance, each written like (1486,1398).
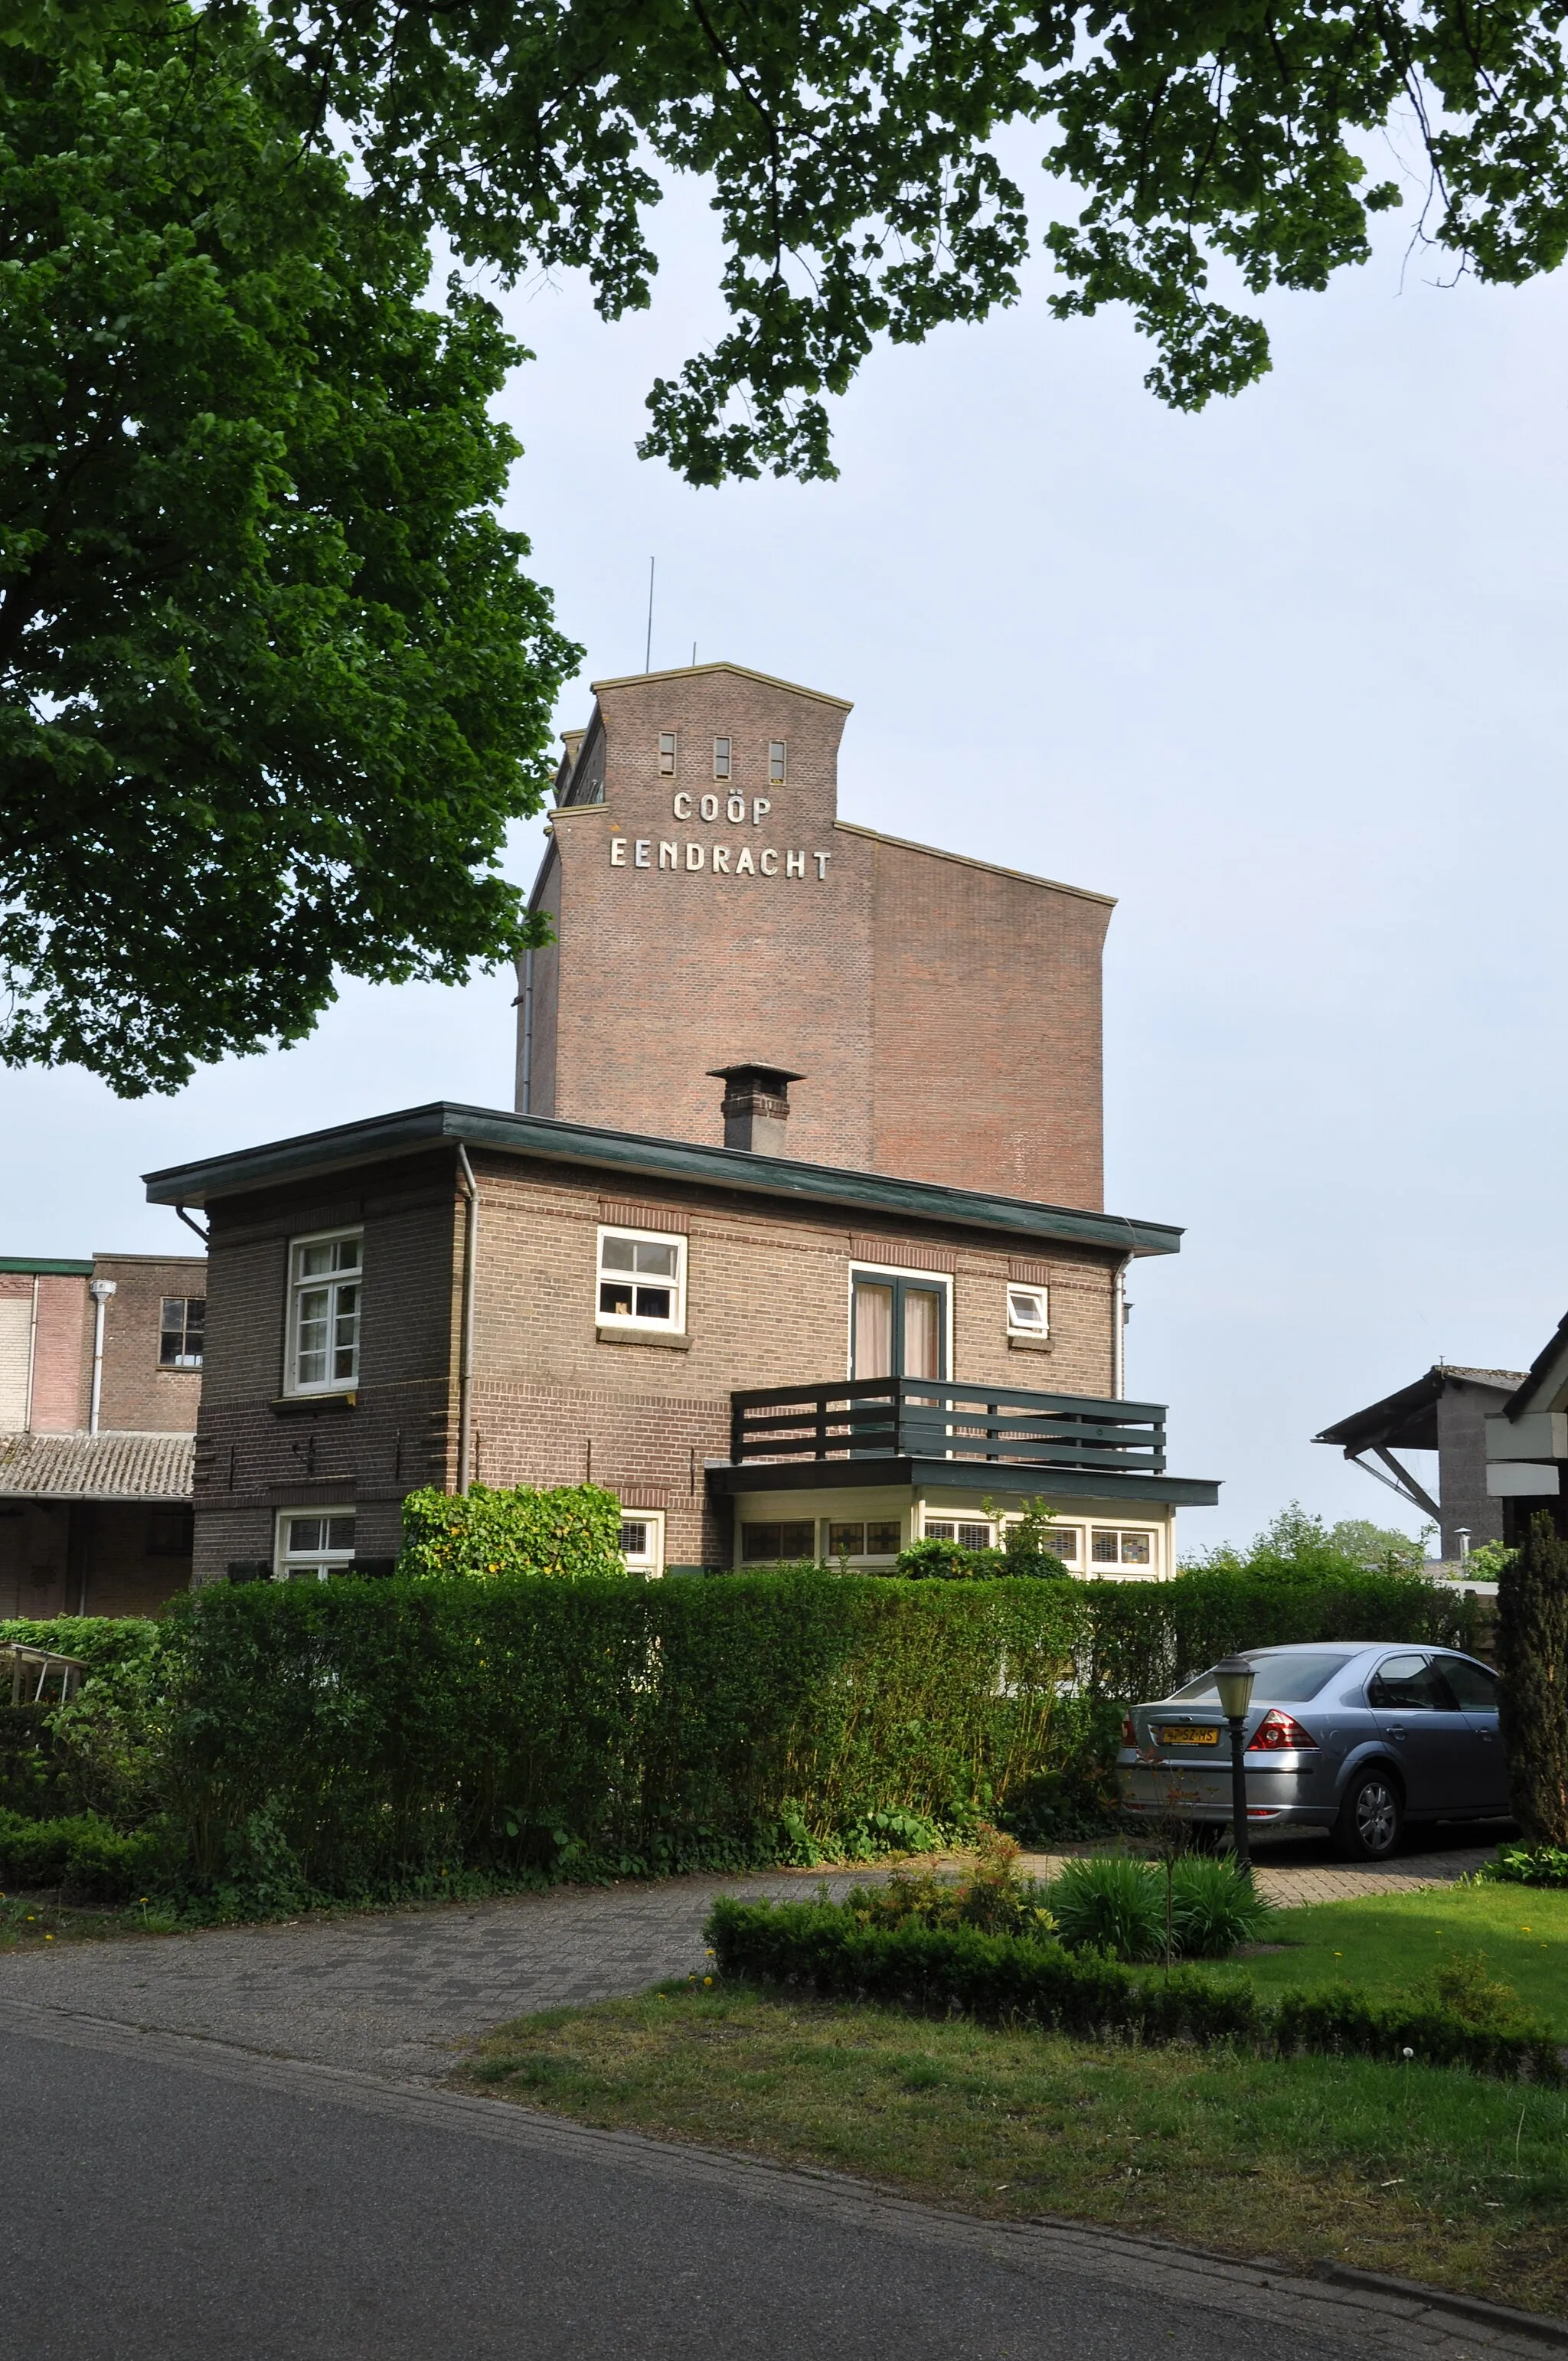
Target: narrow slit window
(778,757)
(721,758)
(666,753)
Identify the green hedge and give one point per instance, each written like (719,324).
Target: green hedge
(376,1734)
(572,1531)
(84,1853)
(1007,1979)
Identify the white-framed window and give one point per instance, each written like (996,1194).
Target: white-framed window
(969,1532)
(666,753)
(861,1537)
(642,1540)
(778,1543)
(1028,1311)
(324,1288)
(1066,1542)
(900,1324)
(721,758)
(312,1543)
(642,1279)
(1117,1545)
(778,758)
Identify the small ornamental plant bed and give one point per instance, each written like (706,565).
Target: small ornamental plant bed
(1442,2176)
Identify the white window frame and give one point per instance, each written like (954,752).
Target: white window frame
(723,763)
(298,1283)
(1153,1571)
(677,1323)
(291,1565)
(956,1516)
(830,1555)
(1074,1564)
(1041,1296)
(651,1561)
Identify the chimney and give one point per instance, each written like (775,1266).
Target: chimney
(756,1107)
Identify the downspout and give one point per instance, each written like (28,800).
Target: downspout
(528,1030)
(100,1290)
(1119,1331)
(465,1360)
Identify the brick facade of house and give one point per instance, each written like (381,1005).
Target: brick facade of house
(558,1397)
(944,1013)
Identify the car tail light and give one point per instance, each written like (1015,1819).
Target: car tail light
(1129,1735)
(1277,1734)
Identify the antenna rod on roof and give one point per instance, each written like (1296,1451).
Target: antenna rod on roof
(648,645)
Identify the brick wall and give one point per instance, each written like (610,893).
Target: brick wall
(139,1396)
(121,1547)
(554,1403)
(945,1014)
(62,1347)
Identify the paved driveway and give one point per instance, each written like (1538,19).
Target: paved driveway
(396,1994)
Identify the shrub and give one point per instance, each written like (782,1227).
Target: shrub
(1461,1985)
(992,1897)
(1526,1865)
(1532,1656)
(573,1530)
(1214,1906)
(1006,1980)
(1112,1904)
(83,1852)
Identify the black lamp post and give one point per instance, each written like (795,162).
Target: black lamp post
(1234,1679)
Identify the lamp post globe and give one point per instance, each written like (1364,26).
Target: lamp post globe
(1234,1679)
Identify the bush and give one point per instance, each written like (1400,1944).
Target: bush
(1215,1908)
(1005,1980)
(1111,1904)
(1532,1656)
(1526,1865)
(572,1531)
(84,1853)
(992,1897)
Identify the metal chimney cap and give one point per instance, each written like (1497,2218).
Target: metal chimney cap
(767,1073)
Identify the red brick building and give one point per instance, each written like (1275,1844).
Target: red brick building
(712,909)
(99,1384)
(454,1294)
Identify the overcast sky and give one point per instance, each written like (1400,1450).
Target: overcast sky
(1286,679)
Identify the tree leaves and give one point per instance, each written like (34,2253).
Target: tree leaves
(272,681)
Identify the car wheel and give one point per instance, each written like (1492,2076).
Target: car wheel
(1372,1818)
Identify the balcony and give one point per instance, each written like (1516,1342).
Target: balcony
(895,1431)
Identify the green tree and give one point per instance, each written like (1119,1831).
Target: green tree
(1532,1657)
(852,149)
(272,681)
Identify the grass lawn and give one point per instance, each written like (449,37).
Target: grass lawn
(1435,2175)
(1387,1944)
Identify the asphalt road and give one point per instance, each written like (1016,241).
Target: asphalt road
(167,2199)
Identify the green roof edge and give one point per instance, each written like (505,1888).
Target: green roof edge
(627,1153)
(41,1267)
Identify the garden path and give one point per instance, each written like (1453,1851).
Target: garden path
(396,1994)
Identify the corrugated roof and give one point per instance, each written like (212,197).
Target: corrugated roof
(96,1467)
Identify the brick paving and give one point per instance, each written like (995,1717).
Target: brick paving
(397,1994)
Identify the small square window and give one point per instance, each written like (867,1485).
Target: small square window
(641,1279)
(643,1542)
(666,753)
(1064,1544)
(777,1545)
(312,1544)
(721,758)
(846,1541)
(1026,1312)
(1135,1549)
(1106,1549)
(778,754)
(884,1541)
(181,1327)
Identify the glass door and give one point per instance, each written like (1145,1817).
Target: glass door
(898,1328)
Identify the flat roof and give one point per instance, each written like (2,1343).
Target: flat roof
(625,1153)
(36,1267)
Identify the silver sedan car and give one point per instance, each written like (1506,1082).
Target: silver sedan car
(1339,1736)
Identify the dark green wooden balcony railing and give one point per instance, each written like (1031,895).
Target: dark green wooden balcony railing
(916,1418)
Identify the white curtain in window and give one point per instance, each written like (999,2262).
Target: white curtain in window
(874,1331)
(922,1333)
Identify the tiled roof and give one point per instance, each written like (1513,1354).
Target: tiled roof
(96,1467)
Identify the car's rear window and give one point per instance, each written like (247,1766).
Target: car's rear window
(1281,1680)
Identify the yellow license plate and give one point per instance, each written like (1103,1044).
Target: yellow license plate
(1188,1733)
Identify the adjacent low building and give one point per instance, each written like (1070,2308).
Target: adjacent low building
(100,1383)
(1445,1411)
(763,1357)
